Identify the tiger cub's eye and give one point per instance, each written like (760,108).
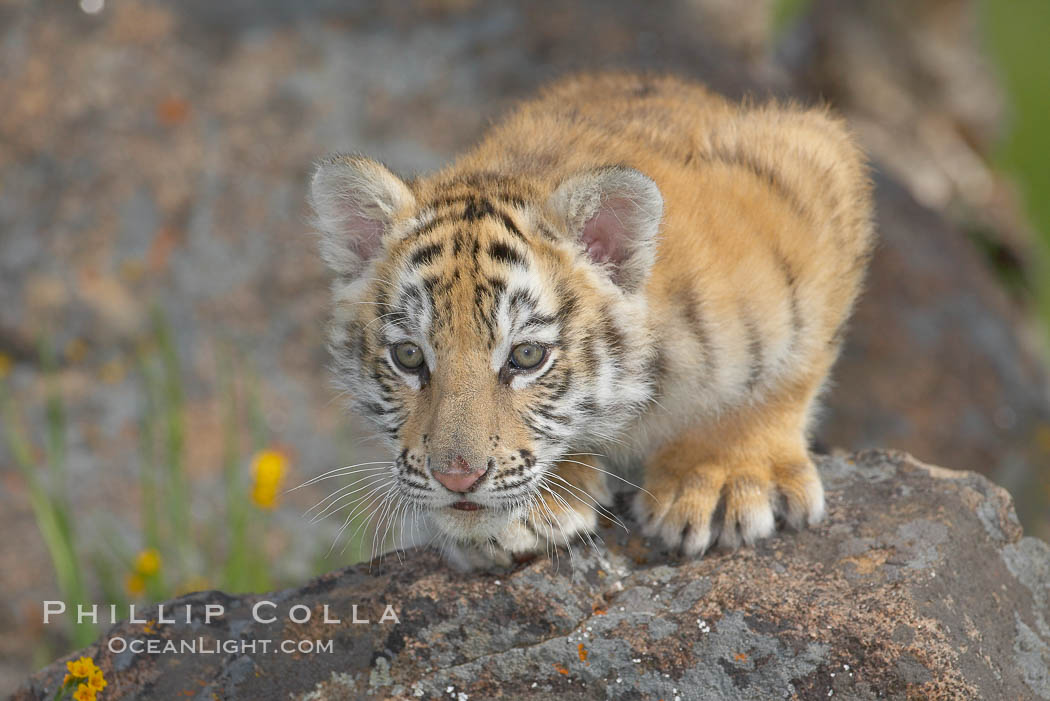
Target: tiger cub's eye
(527,356)
(408,355)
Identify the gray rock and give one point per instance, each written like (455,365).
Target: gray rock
(919,584)
(156,153)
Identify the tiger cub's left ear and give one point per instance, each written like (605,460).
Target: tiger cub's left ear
(356,201)
(615,212)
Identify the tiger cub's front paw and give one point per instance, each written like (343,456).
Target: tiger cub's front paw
(694,509)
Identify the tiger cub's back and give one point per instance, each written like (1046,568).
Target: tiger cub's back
(766,230)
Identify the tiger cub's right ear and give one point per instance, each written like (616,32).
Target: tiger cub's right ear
(356,200)
(614,212)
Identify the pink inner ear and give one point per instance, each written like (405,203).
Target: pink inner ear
(365,234)
(604,235)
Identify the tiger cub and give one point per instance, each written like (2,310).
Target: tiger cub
(627,270)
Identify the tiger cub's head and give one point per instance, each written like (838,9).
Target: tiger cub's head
(488,325)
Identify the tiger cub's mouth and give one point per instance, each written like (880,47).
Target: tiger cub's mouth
(467,506)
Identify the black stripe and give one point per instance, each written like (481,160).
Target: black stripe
(693,309)
(754,349)
(405,484)
(531,424)
(378,410)
(429,226)
(512,485)
(480,207)
(412,298)
(438,285)
(496,287)
(564,383)
(762,171)
(506,254)
(657,368)
(521,299)
(546,233)
(612,335)
(541,431)
(792,286)
(449,200)
(511,226)
(590,359)
(425,254)
(482,293)
(587,407)
(567,305)
(548,412)
(477,208)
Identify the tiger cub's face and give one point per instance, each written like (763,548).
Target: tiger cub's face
(487,326)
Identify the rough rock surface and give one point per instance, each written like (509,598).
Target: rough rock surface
(156,153)
(918,585)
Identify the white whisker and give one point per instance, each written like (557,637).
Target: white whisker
(613,474)
(368,511)
(349,518)
(332,508)
(597,504)
(561,526)
(337,472)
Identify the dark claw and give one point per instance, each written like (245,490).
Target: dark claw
(718,520)
(680,550)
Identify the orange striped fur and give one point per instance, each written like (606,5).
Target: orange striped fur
(684,266)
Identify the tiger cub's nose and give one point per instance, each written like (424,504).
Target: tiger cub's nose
(458,477)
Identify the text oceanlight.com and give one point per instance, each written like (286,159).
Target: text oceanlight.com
(204,646)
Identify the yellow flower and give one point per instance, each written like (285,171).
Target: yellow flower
(135,584)
(97,682)
(264,496)
(268,468)
(84,693)
(5,365)
(81,668)
(68,678)
(147,563)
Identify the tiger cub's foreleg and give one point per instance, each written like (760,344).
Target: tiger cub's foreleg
(728,482)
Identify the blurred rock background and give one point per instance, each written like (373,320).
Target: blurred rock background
(163,305)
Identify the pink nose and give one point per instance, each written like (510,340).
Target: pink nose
(458,477)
